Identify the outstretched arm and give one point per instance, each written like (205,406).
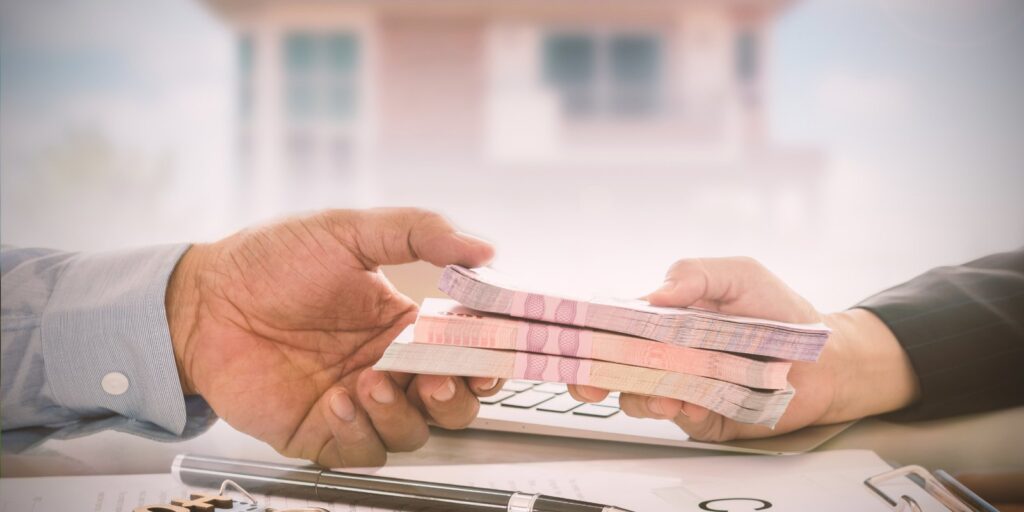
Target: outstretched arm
(86,347)
(950,341)
(273,329)
(862,371)
(962,327)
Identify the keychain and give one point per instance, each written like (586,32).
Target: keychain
(206,502)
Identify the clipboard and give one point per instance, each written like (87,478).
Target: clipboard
(893,488)
(939,484)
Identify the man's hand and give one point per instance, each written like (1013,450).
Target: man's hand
(862,370)
(276,327)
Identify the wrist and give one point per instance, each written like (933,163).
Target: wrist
(182,303)
(871,371)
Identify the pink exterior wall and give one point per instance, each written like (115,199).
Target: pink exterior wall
(430,91)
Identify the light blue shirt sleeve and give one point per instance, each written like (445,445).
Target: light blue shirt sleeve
(86,347)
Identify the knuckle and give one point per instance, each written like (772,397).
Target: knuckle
(426,385)
(413,442)
(327,459)
(719,433)
(631,406)
(681,266)
(430,216)
(633,412)
(372,458)
(459,417)
(749,263)
(423,217)
(353,457)
(699,431)
(333,217)
(712,429)
(687,268)
(343,225)
(288,451)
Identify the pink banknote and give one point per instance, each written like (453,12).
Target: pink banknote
(446,322)
(485,290)
(731,400)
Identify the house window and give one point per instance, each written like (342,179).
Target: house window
(321,100)
(245,63)
(321,76)
(602,74)
(635,72)
(747,47)
(569,66)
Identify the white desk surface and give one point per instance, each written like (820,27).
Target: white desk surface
(982,441)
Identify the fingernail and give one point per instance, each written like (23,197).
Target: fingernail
(489,385)
(654,405)
(471,239)
(591,395)
(342,406)
(682,410)
(445,391)
(383,392)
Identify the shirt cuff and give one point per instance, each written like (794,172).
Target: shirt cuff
(106,341)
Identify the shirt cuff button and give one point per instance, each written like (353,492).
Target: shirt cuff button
(115,383)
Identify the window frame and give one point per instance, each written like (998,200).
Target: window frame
(604,87)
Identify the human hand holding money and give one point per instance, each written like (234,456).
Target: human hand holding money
(305,302)
(861,371)
(727,363)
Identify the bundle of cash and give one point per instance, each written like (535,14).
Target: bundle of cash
(734,366)
(483,289)
(446,322)
(737,402)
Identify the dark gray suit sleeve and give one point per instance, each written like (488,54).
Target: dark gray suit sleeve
(963,329)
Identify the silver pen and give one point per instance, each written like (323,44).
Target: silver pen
(367,490)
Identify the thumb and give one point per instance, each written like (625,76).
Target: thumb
(686,283)
(704,281)
(736,286)
(391,236)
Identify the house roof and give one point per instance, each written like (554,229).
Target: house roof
(237,10)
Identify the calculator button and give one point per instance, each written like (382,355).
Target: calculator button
(609,401)
(527,399)
(551,387)
(495,398)
(517,385)
(561,403)
(595,410)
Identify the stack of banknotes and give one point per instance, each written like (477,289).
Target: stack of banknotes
(732,365)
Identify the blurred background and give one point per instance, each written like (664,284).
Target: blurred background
(847,144)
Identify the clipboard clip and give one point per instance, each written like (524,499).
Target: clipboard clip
(940,485)
(221,500)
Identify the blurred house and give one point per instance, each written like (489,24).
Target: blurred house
(342,97)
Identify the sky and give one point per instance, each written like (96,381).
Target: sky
(116,128)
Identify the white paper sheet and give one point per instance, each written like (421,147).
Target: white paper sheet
(818,481)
